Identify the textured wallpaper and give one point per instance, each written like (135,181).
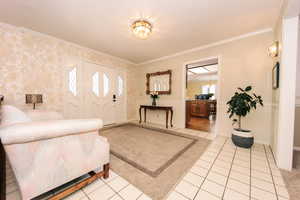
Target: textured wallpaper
(242,62)
(31,62)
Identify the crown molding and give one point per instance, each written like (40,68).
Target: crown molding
(209,45)
(23,29)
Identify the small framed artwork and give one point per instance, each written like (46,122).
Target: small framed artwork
(275,76)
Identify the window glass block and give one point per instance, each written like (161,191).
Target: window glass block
(120,86)
(95,83)
(105,84)
(73,81)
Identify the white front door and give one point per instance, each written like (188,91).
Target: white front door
(104,93)
(114,96)
(109,96)
(92,99)
(93,91)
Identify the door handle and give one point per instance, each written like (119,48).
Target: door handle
(114,98)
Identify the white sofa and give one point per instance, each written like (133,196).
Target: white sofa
(46,151)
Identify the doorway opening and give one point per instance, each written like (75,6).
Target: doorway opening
(201,95)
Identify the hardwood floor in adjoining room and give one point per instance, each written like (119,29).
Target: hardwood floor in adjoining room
(201,124)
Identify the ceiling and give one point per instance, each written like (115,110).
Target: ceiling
(105,25)
(203,70)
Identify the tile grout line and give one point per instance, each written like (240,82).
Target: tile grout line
(225,187)
(85,194)
(210,167)
(274,157)
(117,193)
(271,173)
(140,195)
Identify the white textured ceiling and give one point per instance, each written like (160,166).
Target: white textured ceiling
(178,24)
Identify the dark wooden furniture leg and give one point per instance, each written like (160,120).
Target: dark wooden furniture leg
(106,171)
(167,118)
(2,173)
(171,117)
(140,111)
(93,176)
(145,111)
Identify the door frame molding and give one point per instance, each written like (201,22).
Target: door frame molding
(219,89)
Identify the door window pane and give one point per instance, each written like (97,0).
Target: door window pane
(95,82)
(73,81)
(120,86)
(105,84)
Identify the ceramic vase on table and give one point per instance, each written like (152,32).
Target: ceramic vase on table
(153,101)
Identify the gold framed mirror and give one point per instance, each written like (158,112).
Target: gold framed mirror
(159,82)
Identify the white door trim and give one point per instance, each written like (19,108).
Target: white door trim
(287,97)
(219,89)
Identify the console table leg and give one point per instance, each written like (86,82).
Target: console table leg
(171,118)
(167,118)
(145,111)
(140,111)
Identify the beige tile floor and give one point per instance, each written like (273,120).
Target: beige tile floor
(222,172)
(230,173)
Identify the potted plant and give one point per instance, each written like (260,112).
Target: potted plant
(240,104)
(154,96)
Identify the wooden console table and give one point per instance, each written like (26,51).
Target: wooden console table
(166,108)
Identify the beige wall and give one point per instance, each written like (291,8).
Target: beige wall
(34,63)
(195,87)
(243,62)
(297,127)
(275,93)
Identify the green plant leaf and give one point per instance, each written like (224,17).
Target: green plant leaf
(241,89)
(241,103)
(248,88)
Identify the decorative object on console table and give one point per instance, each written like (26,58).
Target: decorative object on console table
(240,104)
(154,96)
(275,76)
(33,99)
(166,108)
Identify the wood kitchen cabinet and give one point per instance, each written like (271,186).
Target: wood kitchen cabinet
(200,108)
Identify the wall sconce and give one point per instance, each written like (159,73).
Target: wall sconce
(274,49)
(33,99)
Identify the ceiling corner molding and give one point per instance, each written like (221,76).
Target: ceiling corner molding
(23,29)
(262,31)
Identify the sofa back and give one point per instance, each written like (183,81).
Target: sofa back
(11,115)
(38,115)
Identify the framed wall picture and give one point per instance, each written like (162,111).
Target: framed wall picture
(275,76)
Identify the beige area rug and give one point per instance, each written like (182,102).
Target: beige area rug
(152,159)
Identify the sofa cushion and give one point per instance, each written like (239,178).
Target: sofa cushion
(12,115)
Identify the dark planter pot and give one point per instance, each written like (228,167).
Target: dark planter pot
(242,138)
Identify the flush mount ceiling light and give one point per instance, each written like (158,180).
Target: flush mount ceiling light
(141,29)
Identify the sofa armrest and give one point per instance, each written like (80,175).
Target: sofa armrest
(41,130)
